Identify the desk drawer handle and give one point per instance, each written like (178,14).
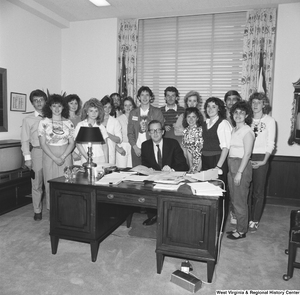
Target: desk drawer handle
(141,200)
(110,196)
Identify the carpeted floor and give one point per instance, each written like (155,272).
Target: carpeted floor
(126,262)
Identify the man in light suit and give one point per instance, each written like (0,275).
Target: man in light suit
(32,152)
(162,154)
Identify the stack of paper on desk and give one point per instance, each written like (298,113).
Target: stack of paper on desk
(205,189)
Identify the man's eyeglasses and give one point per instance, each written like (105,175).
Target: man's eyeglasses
(152,131)
(36,100)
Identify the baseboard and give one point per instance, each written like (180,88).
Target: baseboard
(283,202)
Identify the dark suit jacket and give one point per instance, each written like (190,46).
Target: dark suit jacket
(172,155)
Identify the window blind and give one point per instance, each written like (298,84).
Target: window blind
(201,52)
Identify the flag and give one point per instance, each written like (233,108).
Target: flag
(122,80)
(261,81)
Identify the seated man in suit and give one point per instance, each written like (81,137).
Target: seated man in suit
(162,154)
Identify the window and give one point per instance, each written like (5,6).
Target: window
(202,53)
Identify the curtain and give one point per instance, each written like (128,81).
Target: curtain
(259,42)
(128,38)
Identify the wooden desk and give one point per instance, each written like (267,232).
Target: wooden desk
(188,226)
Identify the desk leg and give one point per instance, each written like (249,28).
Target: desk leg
(94,250)
(159,262)
(210,270)
(54,244)
(128,220)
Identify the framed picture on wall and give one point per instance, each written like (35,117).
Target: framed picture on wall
(17,102)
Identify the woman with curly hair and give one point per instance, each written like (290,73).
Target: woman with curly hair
(56,140)
(74,102)
(92,115)
(216,136)
(264,128)
(116,109)
(123,155)
(113,128)
(239,164)
(192,139)
(191,100)
(230,98)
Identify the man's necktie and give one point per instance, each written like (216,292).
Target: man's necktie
(159,159)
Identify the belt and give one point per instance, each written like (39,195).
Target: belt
(36,147)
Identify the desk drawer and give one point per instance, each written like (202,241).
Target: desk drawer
(127,199)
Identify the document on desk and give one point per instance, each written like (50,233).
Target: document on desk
(112,179)
(168,187)
(136,178)
(174,177)
(143,170)
(206,189)
(210,174)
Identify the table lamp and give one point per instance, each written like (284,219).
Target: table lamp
(89,135)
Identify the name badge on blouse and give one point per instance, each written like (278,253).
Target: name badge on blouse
(134,118)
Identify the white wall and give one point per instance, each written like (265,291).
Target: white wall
(287,71)
(30,50)
(89,58)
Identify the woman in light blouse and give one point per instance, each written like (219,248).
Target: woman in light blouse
(56,133)
(239,164)
(123,155)
(113,128)
(92,115)
(264,128)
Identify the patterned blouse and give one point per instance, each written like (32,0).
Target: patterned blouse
(193,141)
(56,132)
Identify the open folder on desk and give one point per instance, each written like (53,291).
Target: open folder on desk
(205,189)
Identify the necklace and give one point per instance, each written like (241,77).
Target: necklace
(255,126)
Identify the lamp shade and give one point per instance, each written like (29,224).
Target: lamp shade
(89,134)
